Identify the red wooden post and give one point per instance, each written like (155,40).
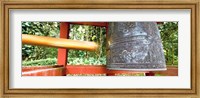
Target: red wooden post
(107,31)
(150,73)
(62,53)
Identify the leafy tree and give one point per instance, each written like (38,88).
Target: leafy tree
(169,36)
(88,33)
(30,52)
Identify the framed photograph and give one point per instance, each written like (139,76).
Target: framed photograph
(100,48)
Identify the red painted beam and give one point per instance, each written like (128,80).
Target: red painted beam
(171,71)
(46,72)
(30,68)
(114,72)
(89,69)
(85,69)
(101,24)
(160,22)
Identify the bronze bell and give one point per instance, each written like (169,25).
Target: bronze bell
(135,46)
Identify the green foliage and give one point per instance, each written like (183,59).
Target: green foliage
(48,61)
(158,75)
(41,28)
(169,36)
(88,61)
(88,33)
(30,52)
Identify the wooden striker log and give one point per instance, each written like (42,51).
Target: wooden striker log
(58,42)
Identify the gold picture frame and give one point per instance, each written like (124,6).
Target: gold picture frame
(193,5)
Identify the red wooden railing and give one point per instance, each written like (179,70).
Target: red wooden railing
(59,70)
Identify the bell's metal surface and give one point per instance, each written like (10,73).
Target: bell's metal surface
(135,46)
